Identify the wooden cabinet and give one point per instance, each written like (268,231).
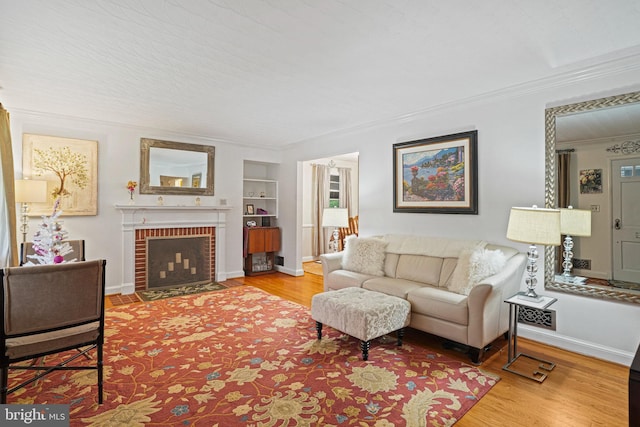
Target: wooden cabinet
(261,243)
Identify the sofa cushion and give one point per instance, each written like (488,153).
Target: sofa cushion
(419,268)
(346,279)
(474,266)
(439,303)
(441,247)
(448,266)
(396,287)
(460,276)
(364,255)
(391,264)
(484,263)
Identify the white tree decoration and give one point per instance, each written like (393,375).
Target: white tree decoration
(48,242)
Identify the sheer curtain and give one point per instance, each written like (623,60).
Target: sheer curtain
(8,241)
(319,200)
(345,189)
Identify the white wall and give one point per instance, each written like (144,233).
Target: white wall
(118,162)
(511,132)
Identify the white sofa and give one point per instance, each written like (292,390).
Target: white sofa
(443,279)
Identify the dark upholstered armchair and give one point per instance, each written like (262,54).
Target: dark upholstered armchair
(26,249)
(49,309)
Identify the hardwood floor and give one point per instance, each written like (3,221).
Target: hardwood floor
(580,391)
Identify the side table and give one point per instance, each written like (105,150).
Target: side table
(634,390)
(515,304)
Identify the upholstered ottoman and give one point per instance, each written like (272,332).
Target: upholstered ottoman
(361,313)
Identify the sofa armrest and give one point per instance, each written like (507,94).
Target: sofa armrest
(488,314)
(331,262)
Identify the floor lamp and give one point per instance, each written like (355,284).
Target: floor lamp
(573,222)
(536,226)
(29,191)
(336,218)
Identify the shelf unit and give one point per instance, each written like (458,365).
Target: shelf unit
(261,194)
(260,190)
(262,236)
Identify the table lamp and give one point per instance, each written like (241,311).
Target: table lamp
(29,191)
(536,226)
(573,222)
(336,218)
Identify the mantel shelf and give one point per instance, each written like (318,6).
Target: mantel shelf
(127,207)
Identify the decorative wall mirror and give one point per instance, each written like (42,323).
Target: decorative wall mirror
(586,120)
(168,167)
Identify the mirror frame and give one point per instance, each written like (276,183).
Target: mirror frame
(551,114)
(145,179)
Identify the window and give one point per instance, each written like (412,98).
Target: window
(334,191)
(628,171)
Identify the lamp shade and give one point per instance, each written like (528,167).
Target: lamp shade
(335,217)
(539,226)
(30,191)
(575,222)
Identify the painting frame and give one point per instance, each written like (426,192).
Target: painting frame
(590,181)
(250,209)
(77,192)
(437,175)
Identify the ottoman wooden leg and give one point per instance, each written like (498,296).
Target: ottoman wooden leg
(400,334)
(364,345)
(319,329)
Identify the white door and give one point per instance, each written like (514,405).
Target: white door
(625,211)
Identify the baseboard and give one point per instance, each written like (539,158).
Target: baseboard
(290,271)
(124,289)
(577,346)
(235,274)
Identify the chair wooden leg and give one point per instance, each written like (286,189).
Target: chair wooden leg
(100,374)
(4,385)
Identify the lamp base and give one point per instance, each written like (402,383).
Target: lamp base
(530,298)
(566,278)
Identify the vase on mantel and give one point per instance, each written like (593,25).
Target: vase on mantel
(131,199)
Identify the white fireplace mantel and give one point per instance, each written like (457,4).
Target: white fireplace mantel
(136,217)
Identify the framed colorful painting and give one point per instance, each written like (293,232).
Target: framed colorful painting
(70,167)
(437,175)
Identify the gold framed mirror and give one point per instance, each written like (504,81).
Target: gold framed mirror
(552,115)
(177,168)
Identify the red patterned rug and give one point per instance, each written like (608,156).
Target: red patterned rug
(243,357)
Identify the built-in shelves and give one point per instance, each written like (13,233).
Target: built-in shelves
(260,212)
(260,194)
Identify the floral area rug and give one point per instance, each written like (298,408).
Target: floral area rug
(243,357)
(156,294)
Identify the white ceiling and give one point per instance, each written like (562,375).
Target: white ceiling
(598,124)
(283,71)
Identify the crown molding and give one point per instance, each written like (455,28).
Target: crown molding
(567,76)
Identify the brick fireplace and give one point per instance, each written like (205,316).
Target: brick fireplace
(178,256)
(141,224)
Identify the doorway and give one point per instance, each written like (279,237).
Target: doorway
(348,160)
(625,209)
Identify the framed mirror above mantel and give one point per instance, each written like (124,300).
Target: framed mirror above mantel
(597,142)
(177,168)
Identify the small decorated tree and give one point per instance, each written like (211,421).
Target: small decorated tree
(48,242)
